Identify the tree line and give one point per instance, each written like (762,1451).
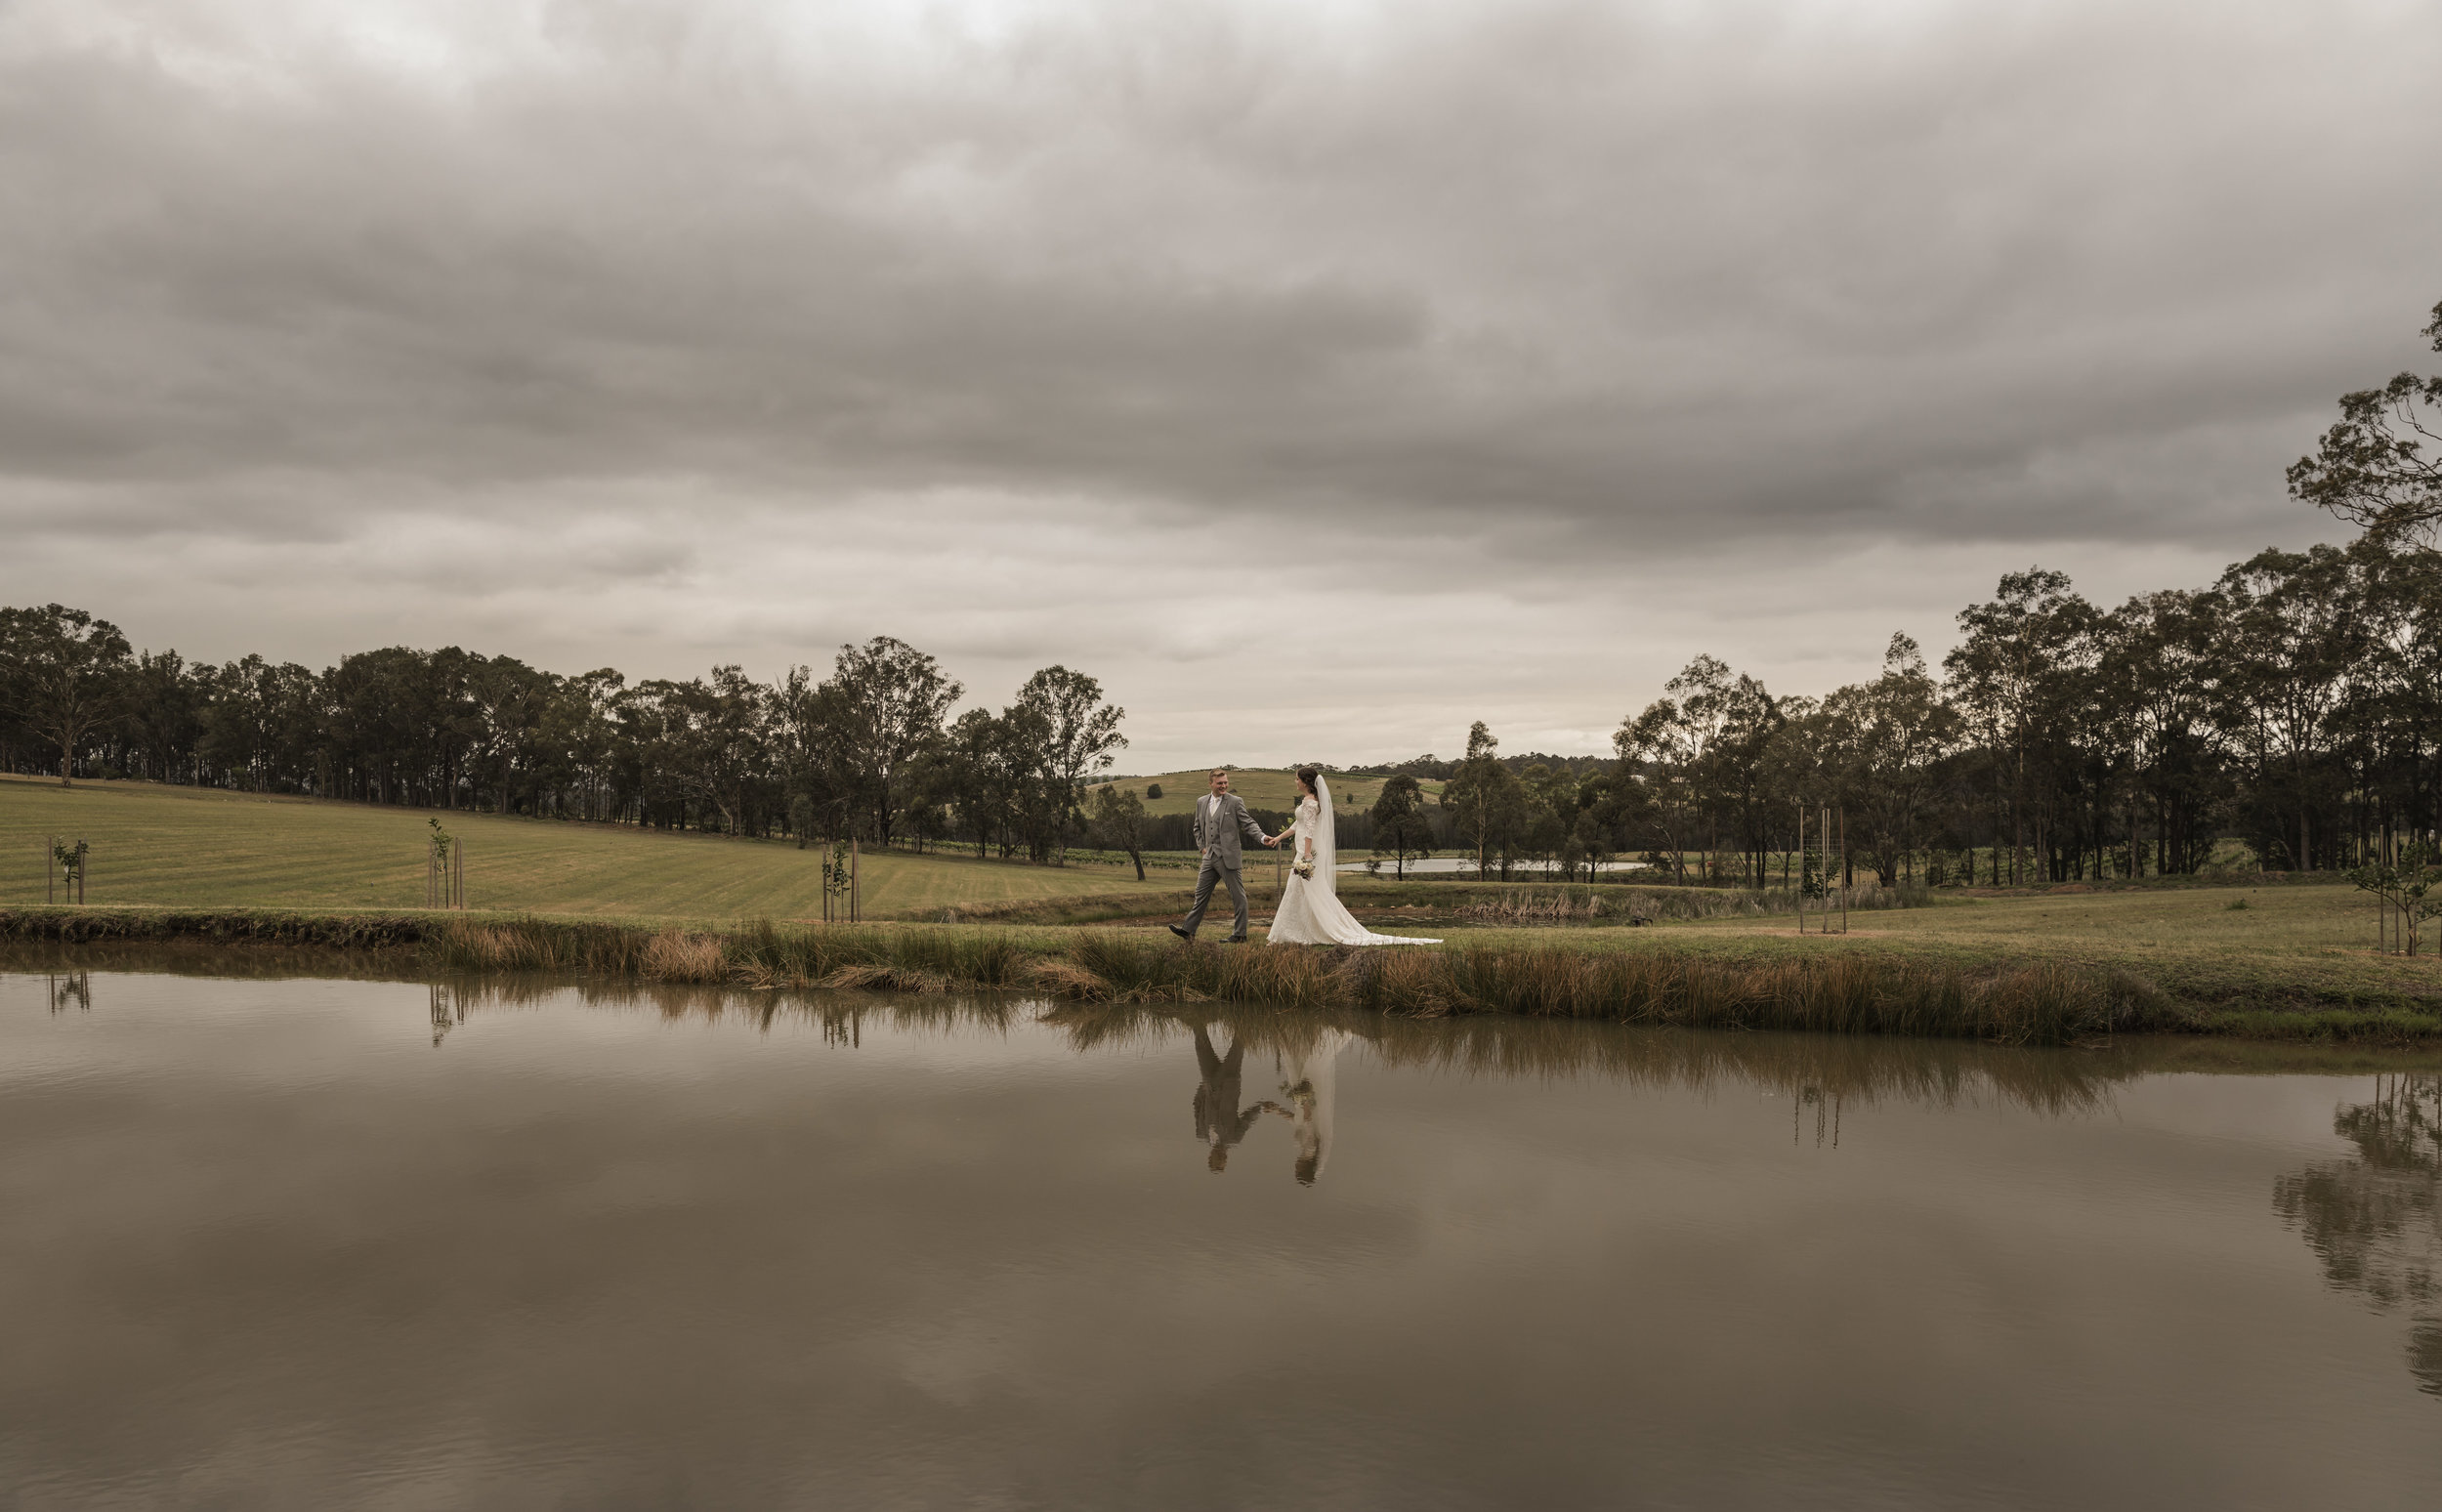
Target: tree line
(871,750)
(2293,705)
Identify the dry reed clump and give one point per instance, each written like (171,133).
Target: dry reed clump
(674,955)
(885,979)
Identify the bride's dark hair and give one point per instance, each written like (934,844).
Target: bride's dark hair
(1311,775)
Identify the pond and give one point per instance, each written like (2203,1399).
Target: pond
(301,1242)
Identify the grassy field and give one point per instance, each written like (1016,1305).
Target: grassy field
(194,848)
(1263,787)
(2291,945)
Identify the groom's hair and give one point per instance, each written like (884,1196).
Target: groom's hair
(1216,772)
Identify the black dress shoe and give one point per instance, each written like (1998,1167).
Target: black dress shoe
(1182,934)
(1234,940)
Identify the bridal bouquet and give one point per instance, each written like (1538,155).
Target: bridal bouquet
(1304,869)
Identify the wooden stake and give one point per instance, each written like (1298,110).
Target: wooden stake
(856,894)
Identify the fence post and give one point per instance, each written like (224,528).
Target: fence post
(856,894)
(50,865)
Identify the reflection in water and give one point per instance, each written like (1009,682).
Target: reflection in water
(1220,1121)
(75,989)
(762,1249)
(1310,1080)
(1819,1074)
(2373,1221)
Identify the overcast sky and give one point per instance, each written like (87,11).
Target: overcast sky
(1320,376)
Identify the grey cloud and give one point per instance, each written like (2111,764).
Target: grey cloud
(1546,294)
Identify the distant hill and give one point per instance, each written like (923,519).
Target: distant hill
(1263,787)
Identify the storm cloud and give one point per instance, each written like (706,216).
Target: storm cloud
(1322,376)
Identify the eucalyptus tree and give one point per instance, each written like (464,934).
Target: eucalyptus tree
(1035,801)
(1890,737)
(1733,771)
(2008,676)
(1401,830)
(2162,665)
(886,702)
(969,777)
(1486,801)
(2290,636)
(161,732)
(1118,822)
(1610,804)
(261,724)
(67,677)
(2396,703)
(1702,749)
(509,704)
(2380,466)
(1551,832)
(576,738)
(1079,734)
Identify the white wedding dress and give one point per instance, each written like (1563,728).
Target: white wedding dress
(1311,911)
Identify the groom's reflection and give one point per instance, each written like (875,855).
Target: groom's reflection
(1220,1123)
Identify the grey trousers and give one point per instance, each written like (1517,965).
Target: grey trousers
(1212,871)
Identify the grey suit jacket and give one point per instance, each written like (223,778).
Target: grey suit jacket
(1219,823)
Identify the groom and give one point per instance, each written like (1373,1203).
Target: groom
(1220,819)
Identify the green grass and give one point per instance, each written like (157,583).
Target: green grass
(1263,787)
(2296,943)
(188,847)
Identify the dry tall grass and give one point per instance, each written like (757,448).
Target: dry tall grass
(1848,993)
(2041,1004)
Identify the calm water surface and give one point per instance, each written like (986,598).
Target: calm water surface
(346,1243)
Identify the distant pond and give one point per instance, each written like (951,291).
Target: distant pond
(277,1241)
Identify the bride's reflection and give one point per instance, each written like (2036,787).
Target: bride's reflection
(2373,1221)
(1309,1080)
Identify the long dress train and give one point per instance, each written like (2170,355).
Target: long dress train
(1311,911)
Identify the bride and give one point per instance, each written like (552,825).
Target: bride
(1310,910)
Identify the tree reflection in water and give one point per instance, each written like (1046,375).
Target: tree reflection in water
(72,990)
(2373,1221)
